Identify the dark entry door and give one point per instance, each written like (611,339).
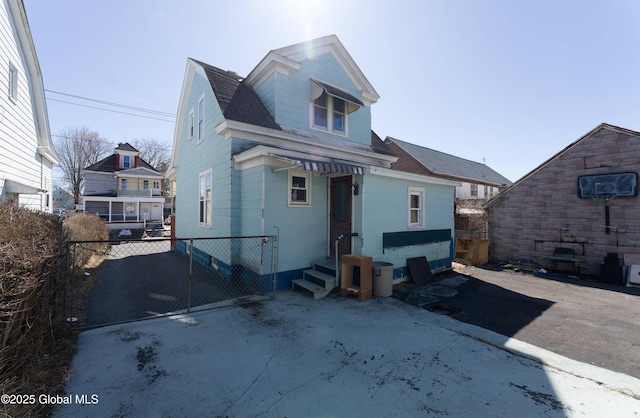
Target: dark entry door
(340,214)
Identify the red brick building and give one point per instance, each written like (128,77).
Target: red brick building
(563,203)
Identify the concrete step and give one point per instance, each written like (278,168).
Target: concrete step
(319,278)
(318,292)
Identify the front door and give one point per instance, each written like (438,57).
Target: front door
(340,214)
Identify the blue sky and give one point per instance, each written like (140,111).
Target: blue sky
(506,82)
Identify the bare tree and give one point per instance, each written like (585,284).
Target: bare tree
(79,148)
(157,153)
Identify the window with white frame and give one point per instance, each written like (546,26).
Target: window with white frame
(145,184)
(13,83)
(204,210)
(201,119)
(191,124)
(299,189)
(123,184)
(125,161)
(416,207)
(474,190)
(156,184)
(329,113)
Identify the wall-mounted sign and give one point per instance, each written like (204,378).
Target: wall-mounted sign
(608,185)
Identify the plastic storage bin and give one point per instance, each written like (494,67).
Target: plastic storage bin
(382,279)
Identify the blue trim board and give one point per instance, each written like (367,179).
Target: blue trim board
(407,238)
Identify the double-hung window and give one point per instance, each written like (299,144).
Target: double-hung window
(204,210)
(123,184)
(191,124)
(13,83)
(299,189)
(145,184)
(416,207)
(329,113)
(330,107)
(126,161)
(201,119)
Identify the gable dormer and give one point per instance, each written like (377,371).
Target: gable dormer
(126,157)
(315,88)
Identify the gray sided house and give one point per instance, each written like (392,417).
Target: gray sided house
(289,150)
(584,198)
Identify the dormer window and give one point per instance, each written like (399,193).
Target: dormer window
(126,161)
(330,107)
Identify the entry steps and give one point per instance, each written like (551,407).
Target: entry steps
(320,280)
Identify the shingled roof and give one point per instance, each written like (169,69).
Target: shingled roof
(109,164)
(237,100)
(440,163)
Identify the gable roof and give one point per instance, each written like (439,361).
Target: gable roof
(109,165)
(564,151)
(286,59)
(442,164)
(126,147)
(237,100)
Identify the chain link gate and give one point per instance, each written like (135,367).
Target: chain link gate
(120,281)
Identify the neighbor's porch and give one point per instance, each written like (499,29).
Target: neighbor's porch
(121,210)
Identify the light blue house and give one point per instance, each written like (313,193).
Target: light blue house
(289,150)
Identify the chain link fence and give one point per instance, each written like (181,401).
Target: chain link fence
(120,281)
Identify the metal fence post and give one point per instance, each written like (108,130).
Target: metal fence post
(274,266)
(190,272)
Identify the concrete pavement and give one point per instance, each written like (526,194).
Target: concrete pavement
(334,357)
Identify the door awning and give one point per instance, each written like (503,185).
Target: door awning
(319,166)
(318,87)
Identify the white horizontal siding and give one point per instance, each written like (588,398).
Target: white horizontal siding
(19,159)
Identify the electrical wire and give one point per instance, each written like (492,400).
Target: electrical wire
(139,109)
(110,110)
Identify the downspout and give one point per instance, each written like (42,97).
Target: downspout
(363,231)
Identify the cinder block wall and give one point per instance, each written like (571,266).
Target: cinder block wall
(543,211)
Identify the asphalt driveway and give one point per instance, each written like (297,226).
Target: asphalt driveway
(595,323)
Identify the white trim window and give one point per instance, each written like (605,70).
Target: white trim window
(13,83)
(201,119)
(126,162)
(299,189)
(416,207)
(191,124)
(123,184)
(329,114)
(204,198)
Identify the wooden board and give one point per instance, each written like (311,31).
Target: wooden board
(419,270)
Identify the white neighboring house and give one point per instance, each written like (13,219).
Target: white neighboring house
(27,155)
(124,189)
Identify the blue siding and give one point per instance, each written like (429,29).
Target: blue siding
(303,230)
(267,93)
(195,157)
(287,98)
(385,209)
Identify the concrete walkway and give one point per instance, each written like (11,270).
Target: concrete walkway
(334,357)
